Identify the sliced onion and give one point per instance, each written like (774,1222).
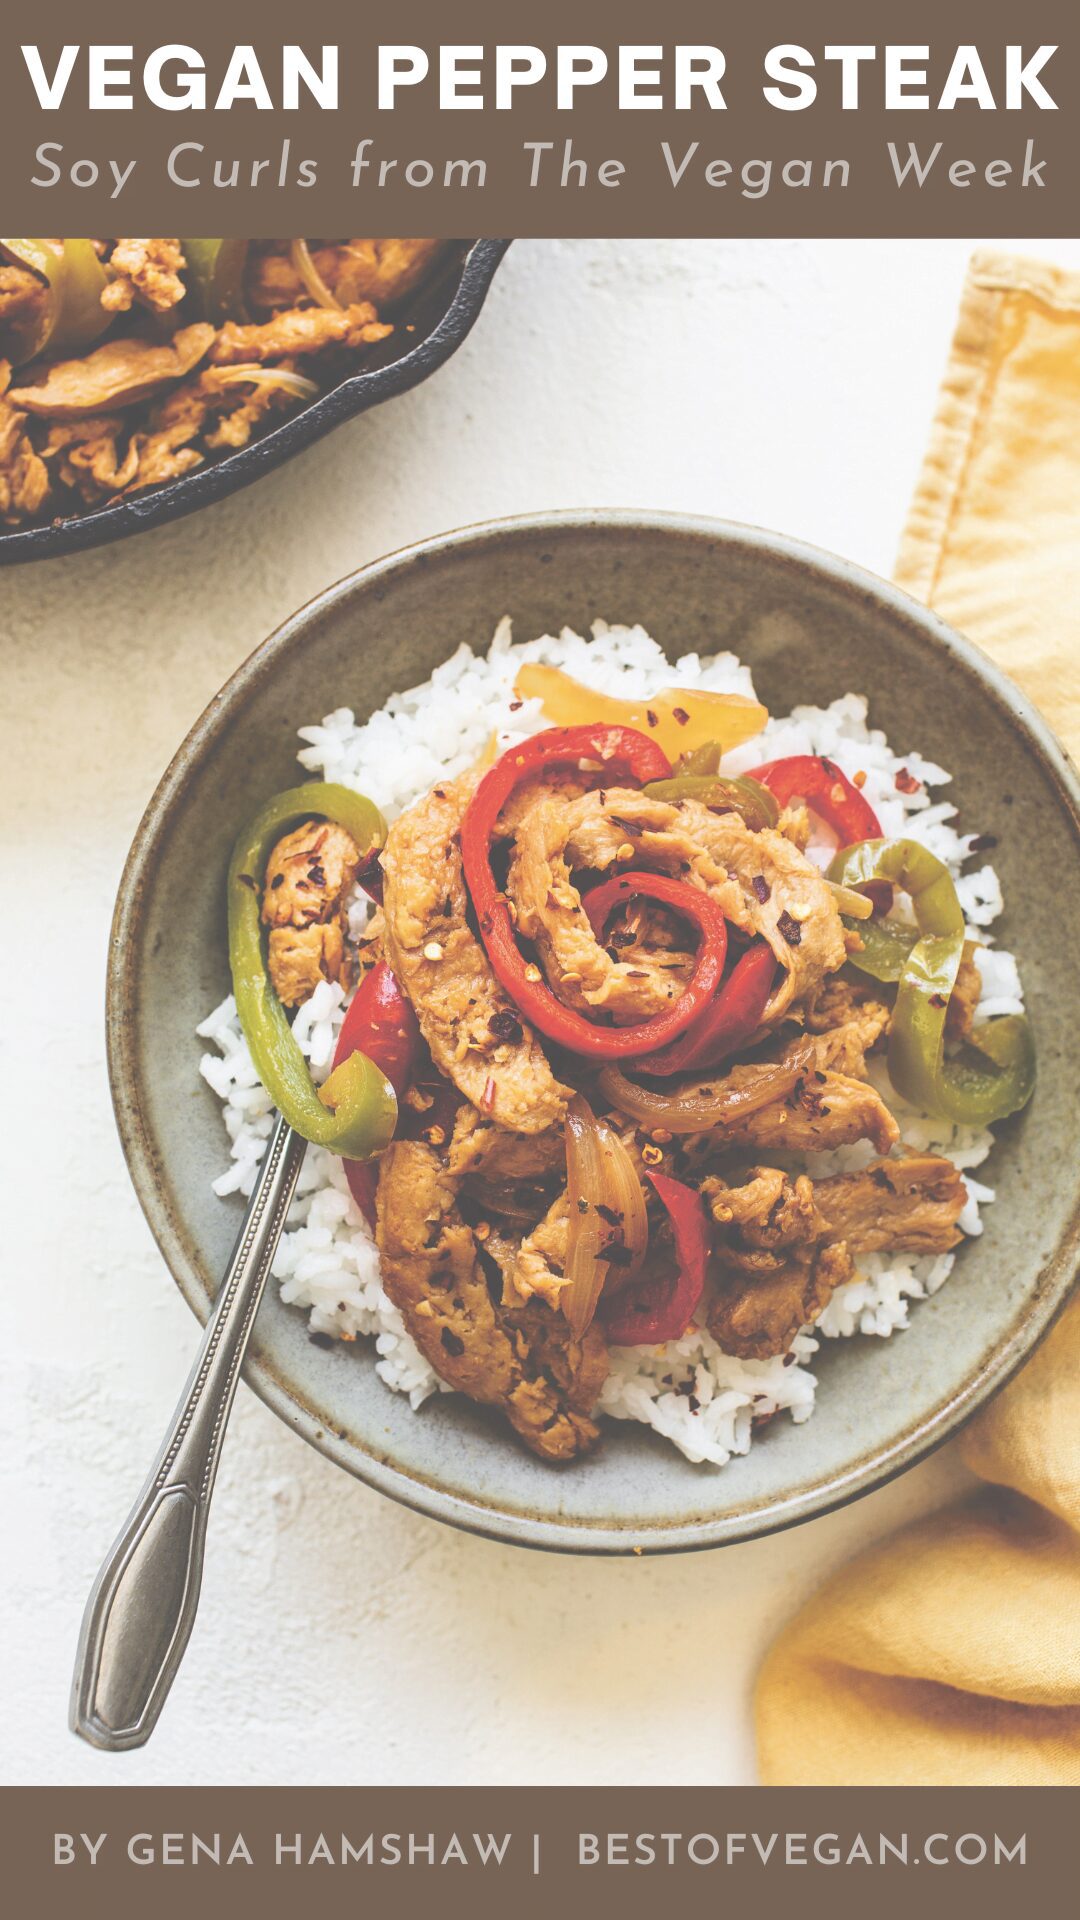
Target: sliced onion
(251,374)
(599,1173)
(700,1107)
(300,254)
(857,906)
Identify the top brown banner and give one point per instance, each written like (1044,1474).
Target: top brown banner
(571,117)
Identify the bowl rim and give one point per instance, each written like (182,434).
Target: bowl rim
(771,1513)
(118,520)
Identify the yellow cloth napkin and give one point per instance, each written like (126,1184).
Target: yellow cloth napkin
(950,1655)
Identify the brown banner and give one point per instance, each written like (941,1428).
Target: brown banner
(962,122)
(528,1851)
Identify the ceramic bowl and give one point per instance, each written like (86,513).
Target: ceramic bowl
(430,327)
(810,626)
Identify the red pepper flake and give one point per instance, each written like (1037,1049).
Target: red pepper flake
(680,716)
(616,1254)
(906,782)
(439,792)
(938,1000)
(487,1098)
(762,889)
(652,718)
(610,1214)
(516,706)
(505,1025)
(790,929)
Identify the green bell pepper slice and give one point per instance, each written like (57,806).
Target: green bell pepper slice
(82,318)
(215,270)
(732,792)
(886,948)
(982,1097)
(356,1113)
(72,316)
(705,759)
(925,966)
(904,864)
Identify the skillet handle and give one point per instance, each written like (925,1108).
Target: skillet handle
(142,1606)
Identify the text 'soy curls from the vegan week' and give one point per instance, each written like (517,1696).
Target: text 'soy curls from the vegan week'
(766,129)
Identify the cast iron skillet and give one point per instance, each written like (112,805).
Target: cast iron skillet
(441,314)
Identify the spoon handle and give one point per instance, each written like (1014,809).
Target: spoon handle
(142,1606)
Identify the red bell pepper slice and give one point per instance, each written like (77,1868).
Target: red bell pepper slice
(624,753)
(381,1023)
(831,795)
(651,1312)
(727,1024)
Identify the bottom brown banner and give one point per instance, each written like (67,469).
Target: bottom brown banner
(399,1850)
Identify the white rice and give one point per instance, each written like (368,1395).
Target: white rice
(702,1400)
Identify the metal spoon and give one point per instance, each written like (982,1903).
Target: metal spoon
(142,1606)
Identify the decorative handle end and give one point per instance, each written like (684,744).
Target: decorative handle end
(138,1620)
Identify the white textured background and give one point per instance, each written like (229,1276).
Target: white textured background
(340,1637)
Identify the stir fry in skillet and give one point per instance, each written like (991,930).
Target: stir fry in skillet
(126,363)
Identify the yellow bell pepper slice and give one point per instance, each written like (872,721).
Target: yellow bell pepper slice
(679,719)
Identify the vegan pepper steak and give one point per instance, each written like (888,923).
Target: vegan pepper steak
(651,1047)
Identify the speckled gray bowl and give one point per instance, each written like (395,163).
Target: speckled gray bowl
(811,626)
